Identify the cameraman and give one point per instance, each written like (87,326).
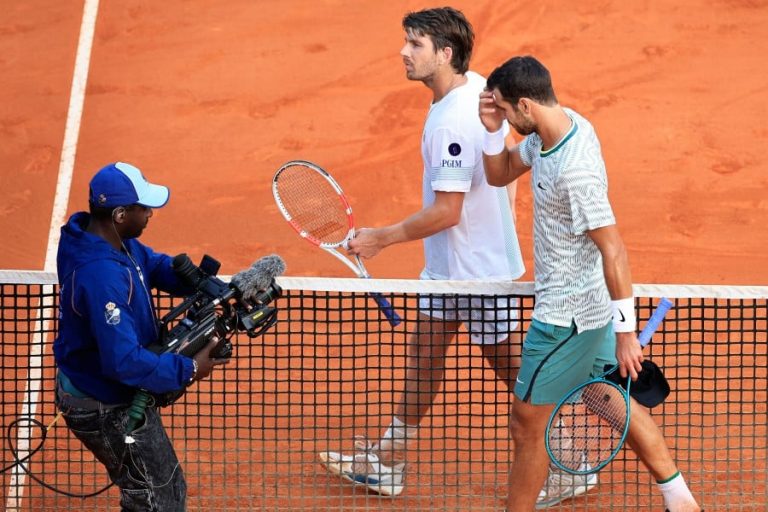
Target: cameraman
(106,320)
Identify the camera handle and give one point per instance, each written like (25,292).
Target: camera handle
(136,413)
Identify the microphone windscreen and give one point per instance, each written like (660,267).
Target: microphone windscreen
(272,265)
(259,276)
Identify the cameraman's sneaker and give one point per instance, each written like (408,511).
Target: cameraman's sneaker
(561,486)
(364,469)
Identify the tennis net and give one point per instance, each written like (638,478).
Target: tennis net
(332,368)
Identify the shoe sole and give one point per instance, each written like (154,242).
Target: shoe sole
(573,493)
(341,466)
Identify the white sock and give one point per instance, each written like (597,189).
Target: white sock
(394,442)
(676,492)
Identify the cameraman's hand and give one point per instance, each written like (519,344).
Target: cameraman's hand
(205,363)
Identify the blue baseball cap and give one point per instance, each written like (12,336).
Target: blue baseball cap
(121,184)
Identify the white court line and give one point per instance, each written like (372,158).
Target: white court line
(71,131)
(60,202)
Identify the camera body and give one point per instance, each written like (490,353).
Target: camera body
(215,308)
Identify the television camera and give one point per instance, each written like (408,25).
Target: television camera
(218,308)
(215,308)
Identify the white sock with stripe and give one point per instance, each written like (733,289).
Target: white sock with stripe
(676,492)
(394,443)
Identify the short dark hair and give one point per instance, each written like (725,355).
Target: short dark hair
(99,212)
(523,77)
(446,27)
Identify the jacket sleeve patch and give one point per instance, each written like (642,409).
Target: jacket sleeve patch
(112,313)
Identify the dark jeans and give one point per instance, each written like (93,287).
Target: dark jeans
(147,471)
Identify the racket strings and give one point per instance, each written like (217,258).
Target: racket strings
(589,428)
(313,204)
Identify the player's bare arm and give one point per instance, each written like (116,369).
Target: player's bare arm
(512,195)
(619,282)
(443,214)
(505,166)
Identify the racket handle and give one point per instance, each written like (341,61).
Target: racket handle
(653,323)
(387,309)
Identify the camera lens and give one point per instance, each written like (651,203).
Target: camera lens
(187,271)
(271,293)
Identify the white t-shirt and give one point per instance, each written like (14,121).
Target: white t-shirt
(483,245)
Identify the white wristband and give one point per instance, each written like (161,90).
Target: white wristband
(493,143)
(624,315)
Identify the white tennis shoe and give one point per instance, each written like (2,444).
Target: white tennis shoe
(561,486)
(365,469)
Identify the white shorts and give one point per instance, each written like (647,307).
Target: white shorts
(488,319)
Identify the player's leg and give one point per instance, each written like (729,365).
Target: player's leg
(530,468)
(647,441)
(425,364)
(380,466)
(494,326)
(561,485)
(554,360)
(425,369)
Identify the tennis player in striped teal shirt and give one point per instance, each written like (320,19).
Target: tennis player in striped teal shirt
(584,315)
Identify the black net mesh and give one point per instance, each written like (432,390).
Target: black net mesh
(331,371)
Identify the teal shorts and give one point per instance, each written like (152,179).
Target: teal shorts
(557,359)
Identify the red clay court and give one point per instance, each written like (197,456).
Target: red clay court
(210,98)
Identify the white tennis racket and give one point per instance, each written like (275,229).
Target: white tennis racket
(314,205)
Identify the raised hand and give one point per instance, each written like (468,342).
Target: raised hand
(491,115)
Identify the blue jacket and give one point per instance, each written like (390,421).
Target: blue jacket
(107,317)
